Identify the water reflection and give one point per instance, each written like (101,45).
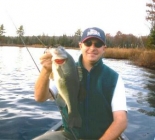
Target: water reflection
(151,99)
(26,118)
(140,92)
(148,98)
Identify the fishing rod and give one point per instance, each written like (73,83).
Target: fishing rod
(39,71)
(41,41)
(20,36)
(28,50)
(63,116)
(57,104)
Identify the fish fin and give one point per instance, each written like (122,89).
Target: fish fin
(60,101)
(79,70)
(74,121)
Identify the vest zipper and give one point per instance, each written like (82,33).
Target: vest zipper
(87,102)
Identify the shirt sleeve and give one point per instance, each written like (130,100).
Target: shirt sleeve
(58,99)
(119,97)
(53,88)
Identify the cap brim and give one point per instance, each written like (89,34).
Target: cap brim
(92,37)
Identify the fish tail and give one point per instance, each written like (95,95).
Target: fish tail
(74,120)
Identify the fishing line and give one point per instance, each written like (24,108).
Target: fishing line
(39,71)
(23,42)
(41,42)
(28,51)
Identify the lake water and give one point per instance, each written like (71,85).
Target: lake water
(22,118)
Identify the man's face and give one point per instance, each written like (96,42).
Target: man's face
(92,50)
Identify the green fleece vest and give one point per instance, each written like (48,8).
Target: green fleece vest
(95,109)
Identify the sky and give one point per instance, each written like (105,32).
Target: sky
(58,17)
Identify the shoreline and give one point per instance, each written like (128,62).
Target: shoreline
(138,56)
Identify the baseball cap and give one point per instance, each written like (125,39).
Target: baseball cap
(93,32)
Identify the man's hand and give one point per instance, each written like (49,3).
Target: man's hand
(42,84)
(46,61)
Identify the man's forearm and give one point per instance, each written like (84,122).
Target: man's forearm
(42,86)
(116,128)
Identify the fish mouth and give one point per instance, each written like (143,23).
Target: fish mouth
(60,61)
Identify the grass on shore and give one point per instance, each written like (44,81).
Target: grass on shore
(140,57)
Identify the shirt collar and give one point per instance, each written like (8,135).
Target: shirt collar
(98,63)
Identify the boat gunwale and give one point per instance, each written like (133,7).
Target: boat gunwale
(58,126)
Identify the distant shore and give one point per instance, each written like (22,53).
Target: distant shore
(141,57)
(13,45)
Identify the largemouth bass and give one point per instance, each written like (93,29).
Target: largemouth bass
(66,77)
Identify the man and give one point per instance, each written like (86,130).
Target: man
(103,110)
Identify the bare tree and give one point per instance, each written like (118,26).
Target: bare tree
(151,17)
(151,13)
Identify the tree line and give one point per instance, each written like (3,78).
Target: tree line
(41,40)
(119,40)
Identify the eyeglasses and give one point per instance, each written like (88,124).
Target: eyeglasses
(97,44)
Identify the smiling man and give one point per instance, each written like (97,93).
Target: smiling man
(103,108)
(105,104)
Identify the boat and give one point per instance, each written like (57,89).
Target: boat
(58,126)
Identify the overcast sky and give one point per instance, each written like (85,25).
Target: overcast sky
(58,17)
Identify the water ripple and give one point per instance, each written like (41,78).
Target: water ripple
(25,118)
